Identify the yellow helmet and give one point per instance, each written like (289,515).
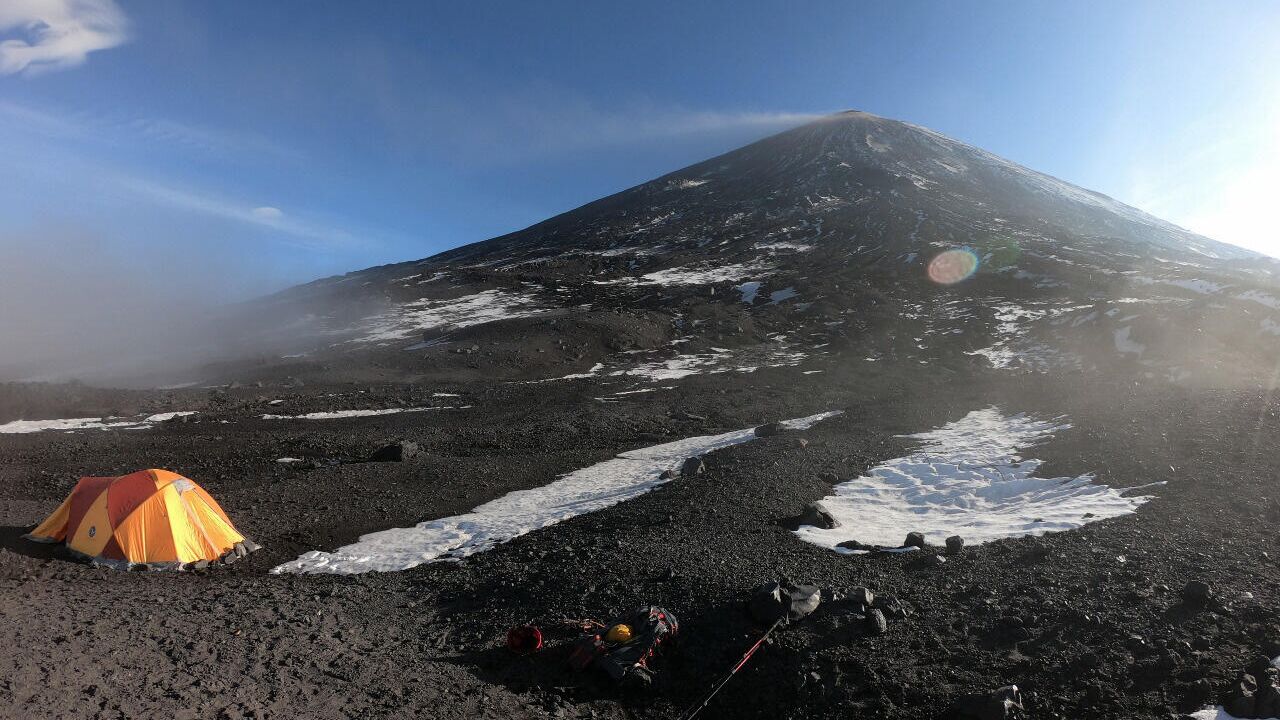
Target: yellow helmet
(619,634)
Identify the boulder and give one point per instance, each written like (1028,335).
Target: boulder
(1197,593)
(814,514)
(877,623)
(914,539)
(399,451)
(955,544)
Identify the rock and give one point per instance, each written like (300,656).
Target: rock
(1197,593)
(931,560)
(667,475)
(876,622)
(854,545)
(770,429)
(251,546)
(814,514)
(395,452)
(829,477)
(1001,704)
(693,466)
(914,539)
(1266,703)
(801,443)
(862,596)
(955,544)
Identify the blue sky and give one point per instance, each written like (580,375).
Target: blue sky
(238,147)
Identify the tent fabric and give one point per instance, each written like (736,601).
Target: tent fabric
(151,517)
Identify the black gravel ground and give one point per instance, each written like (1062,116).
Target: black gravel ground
(1089,623)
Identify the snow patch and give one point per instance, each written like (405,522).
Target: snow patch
(409,319)
(89,423)
(966,479)
(627,476)
(353,413)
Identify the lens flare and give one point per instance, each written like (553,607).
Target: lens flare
(952,266)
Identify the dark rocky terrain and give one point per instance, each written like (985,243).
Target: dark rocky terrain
(781,280)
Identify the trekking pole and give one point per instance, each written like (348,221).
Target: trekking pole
(695,709)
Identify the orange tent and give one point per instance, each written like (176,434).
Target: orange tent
(153,517)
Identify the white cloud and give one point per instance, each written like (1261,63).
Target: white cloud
(266,212)
(56,34)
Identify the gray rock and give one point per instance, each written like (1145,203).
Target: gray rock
(667,475)
(914,539)
(1197,592)
(877,623)
(693,466)
(955,544)
(769,430)
(814,514)
(862,596)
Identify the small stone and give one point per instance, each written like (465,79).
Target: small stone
(667,475)
(932,560)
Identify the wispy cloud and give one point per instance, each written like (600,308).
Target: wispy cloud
(117,128)
(301,233)
(57,34)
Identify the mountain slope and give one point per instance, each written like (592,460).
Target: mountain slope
(807,243)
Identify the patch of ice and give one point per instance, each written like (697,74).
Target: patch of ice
(288,460)
(627,476)
(967,479)
(778,296)
(748,291)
